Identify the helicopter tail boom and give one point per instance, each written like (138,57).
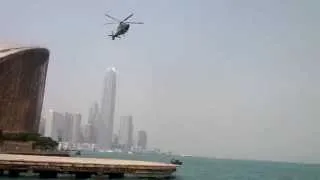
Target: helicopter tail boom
(112,35)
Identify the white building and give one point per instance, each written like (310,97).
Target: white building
(63,126)
(54,126)
(105,125)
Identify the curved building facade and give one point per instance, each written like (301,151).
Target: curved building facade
(23,72)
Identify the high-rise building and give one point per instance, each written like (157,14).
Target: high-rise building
(68,126)
(55,125)
(87,133)
(142,140)
(115,141)
(76,128)
(23,73)
(63,126)
(93,113)
(81,138)
(126,132)
(105,125)
(90,131)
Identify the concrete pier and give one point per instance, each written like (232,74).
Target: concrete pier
(82,168)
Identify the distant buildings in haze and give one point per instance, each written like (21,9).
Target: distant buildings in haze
(63,126)
(66,127)
(99,129)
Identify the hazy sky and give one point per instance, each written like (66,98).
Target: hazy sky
(226,78)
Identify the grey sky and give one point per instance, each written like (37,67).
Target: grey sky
(230,79)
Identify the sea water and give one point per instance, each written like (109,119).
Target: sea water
(196,168)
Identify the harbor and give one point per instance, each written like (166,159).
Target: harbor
(53,166)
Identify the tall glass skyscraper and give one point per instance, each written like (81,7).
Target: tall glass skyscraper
(107,109)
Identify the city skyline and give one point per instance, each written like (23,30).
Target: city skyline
(71,127)
(68,128)
(87,130)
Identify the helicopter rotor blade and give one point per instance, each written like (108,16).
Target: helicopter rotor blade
(115,19)
(132,22)
(110,23)
(127,17)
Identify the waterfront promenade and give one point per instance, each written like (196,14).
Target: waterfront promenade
(51,166)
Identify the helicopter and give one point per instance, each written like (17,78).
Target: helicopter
(123,26)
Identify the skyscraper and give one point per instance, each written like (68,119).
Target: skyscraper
(55,125)
(92,127)
(126,132)
(76,125)
(142,140)
(68,118)
(105,129)
(93,113)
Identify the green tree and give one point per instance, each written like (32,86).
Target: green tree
(44,143)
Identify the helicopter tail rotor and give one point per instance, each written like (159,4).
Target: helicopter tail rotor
(112,35)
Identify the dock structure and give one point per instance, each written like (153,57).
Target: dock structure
(81,167)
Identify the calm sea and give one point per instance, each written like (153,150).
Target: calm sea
(214,169)
(195,168)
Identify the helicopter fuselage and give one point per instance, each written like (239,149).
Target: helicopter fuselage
(122,29)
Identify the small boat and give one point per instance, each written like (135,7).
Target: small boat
(186,155)
(78,153)
(176,162)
